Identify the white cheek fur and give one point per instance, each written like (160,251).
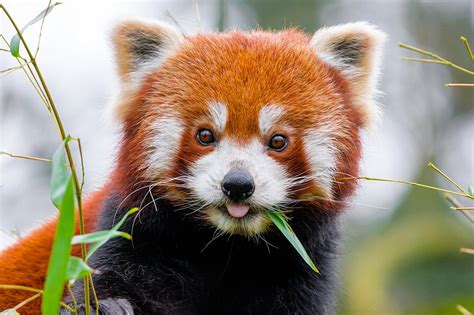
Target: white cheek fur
(271,180)
(321,149)
(163,146)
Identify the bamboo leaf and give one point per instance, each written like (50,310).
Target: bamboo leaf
(15,41)
(122,220)
(279,219)
(113,232)
(98,236)
(60,175)
(63,196)
(77,269)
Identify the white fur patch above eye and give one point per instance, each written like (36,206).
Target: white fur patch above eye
(218,114)
(164,144)
(269,116)
(321,150)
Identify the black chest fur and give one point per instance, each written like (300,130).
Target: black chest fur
(176,265)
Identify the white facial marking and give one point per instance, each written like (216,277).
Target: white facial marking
(321,149)
(218,115)
(165,143)
(269,116)
(270,178)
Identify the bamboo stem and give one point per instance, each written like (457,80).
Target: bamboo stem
(468,47)
(462,208)
(63,136)
(28,300)
(26,157)
(32,79)
(424,60)
(19,287)
(459,85)
(431,164)
(456,204)
(437,57)
(463,310)
(407,183)
(467,250)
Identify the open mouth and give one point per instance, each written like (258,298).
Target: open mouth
(237,210)
(238,218)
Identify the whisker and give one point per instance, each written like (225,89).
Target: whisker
(153,199)
(267,244)
(119,207)
(216,235)
(150,186)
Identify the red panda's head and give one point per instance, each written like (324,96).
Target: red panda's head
(230,125)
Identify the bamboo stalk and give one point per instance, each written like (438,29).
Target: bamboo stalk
(435,56)
(63,136)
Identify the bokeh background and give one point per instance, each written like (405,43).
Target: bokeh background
(401,253)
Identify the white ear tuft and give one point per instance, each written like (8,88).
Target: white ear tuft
(142,46)
(355,50)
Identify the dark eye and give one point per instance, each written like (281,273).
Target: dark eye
(205,137)
(278,142)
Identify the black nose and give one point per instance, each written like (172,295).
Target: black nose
(238,184)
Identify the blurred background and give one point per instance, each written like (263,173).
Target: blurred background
(401,253)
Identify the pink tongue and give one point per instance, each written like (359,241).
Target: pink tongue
(237,210)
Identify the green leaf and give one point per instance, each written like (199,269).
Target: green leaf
(98,236)
(63,196)
(101,237)
(471,190)
(9,312)
(15,41)
(77,269)
(60,175)
(122,220)
(279,219)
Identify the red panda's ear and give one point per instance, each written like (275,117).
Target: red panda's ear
(142,46)
(355,50)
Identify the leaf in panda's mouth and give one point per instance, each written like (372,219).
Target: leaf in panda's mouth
(280,220)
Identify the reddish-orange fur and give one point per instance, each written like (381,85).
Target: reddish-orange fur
(271,68)
(278,67)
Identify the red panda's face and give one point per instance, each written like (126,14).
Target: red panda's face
(233,125)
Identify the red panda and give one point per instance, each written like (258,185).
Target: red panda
(217,129)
